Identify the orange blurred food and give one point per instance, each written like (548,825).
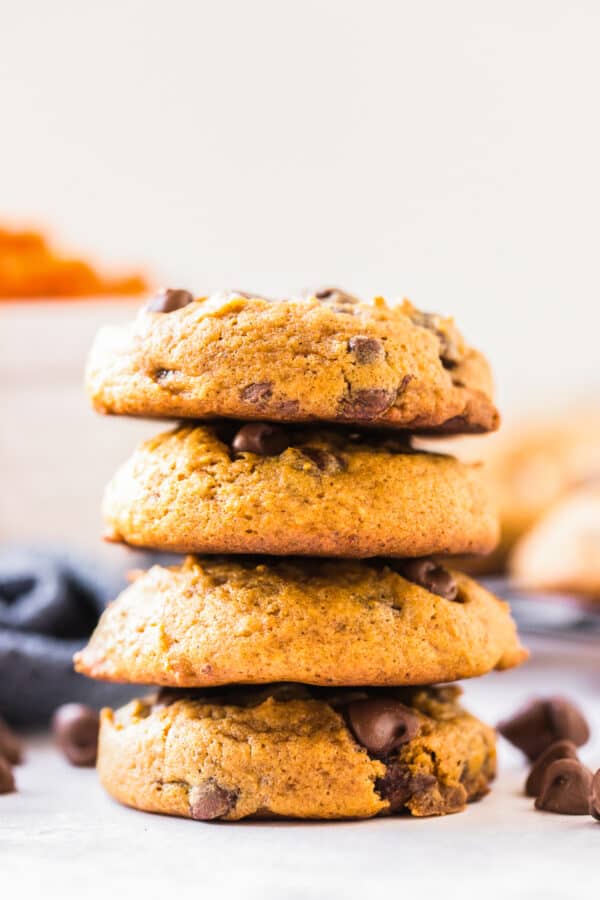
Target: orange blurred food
(31,268)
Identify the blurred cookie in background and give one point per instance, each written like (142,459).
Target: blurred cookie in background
(561,553)
(531,465)
(536,463)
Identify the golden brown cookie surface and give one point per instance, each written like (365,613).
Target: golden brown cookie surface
(290,752)
(267,489)
(217,621)
(322,358)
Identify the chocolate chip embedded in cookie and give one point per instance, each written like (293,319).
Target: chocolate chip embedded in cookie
(542,722)
(294,757)
(209,801)
(327,357)
(265,488)
(381,724)
(366,349)
(168,301)
(218,621)
(430,575)
(260,438)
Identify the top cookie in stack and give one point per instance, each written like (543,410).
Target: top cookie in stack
(322,358)
(300,448)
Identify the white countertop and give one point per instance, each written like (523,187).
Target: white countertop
(63,837)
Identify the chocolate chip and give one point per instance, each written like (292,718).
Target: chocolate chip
(366,404)
(261,438)
(398,785)
(558,750)
(169,301)
(381,724)
(366,349)
(566,788)
(10,745)
(210,801)
(75,728)
(324,460)
(431,576)
(449,353)
(595,796)
(542,722)
(334,295)
(7,779)
(258,392)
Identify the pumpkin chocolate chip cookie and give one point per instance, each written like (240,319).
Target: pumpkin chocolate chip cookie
(325,357)
(217,621)
(264,488)
(290,751)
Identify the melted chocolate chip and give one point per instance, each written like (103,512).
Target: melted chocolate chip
(324,460)
(595,796)
(566,788)
(10,745)
(366,404)
(557,750)
(382,724)
(258,392)
(366,350)
(261,438)
(542,722)
(75,728)
(210,801)
(169,301)
(431,576)
(7,780)
(398,785)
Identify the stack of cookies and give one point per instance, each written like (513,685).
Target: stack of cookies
(303,660)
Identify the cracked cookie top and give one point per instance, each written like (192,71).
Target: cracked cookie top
(325,357)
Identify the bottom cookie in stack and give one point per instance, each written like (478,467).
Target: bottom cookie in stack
(288,750)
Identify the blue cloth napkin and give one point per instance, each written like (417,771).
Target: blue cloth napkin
(50,602)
